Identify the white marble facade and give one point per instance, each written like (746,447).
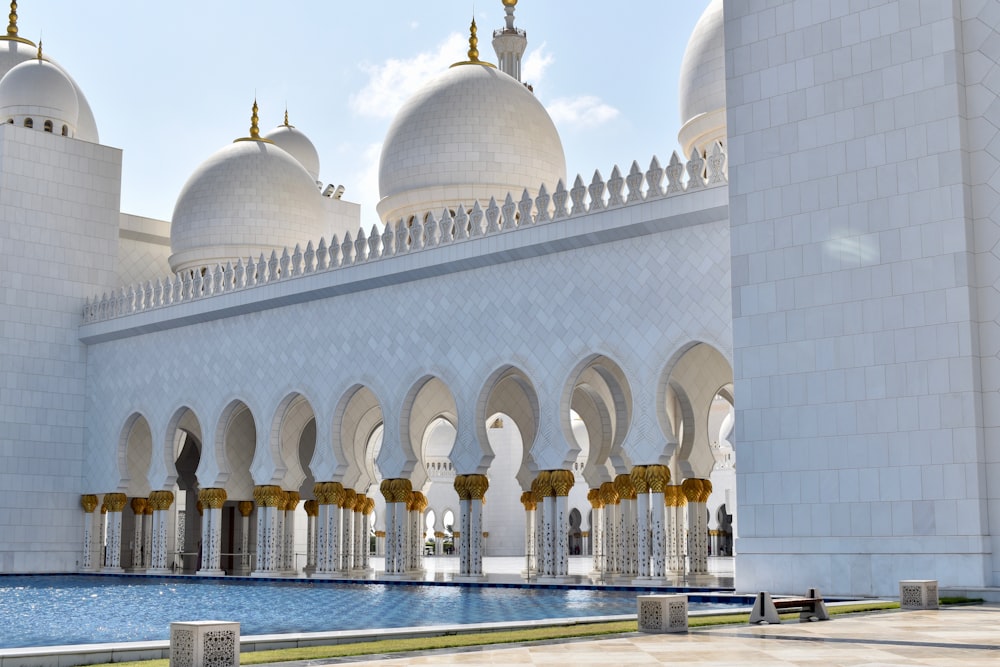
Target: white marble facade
(820,255)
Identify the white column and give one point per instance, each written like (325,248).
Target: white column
(464,522)
(291,502)
(138,540)
(697,492)
(347,533)
(101,544)
(244,543)
(400,537)
(475,536)
(311,513)
(89,504)
(657,530)
(528,500)
(642,533)
(112,559)
(212,500)
(270,501)
(359,537)
(676,528)
(597,533)
(160,501)
(560,536)
(147,536)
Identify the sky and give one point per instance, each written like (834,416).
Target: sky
(170,83)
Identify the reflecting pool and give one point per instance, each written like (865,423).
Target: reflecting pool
(72,609)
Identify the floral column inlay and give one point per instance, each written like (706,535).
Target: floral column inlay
(562,481)
(657,477)
(528,500)
(347,529)
(626,524)
(245,508)
(675,501)
(462,489)
(115,502)
(138,506)
(160,502)
(477,486)
(212,500)
(544,480)
(269,498)
(89,503)
(366,522)
(292,499)
(697,492)
(312,510)
(597,529)
(641,487)
(609,496)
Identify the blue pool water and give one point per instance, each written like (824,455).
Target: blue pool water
(51,610)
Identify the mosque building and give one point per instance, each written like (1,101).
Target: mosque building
(778,343)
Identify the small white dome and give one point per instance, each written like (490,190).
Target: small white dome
(296,144)
(14,52)
(41,91)
(250,197)
(702,92)
(471,133)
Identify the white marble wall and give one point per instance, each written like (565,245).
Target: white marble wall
(859,441)
(59,233)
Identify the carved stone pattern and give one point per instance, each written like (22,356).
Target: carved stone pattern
(650,615)
(677,614)
(181,648)
(220,648)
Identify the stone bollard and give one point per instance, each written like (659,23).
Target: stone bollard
(204,644)
(918,594)
(663,613)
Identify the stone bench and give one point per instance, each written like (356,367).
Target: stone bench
(203,643)
(810,607)
(663,613)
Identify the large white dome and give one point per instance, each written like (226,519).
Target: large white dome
(249,198)
(296,144)
(16,51)
(38,90)
(471,133)
(702,92)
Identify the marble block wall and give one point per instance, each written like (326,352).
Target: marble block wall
(861,452)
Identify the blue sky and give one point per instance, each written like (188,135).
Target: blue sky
(172,82)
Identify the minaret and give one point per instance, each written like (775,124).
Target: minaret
(510,43)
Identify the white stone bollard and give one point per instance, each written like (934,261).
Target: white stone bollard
(204,644)
(663,613)
(918,594)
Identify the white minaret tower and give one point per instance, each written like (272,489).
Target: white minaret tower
(510,43)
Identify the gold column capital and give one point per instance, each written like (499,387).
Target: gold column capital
(624,487)
(245,507)
(528,500)
(638,477)
(359,502)
(386,488)
(138,505)
(161,500)
(268,495)
(212,498)
(369,506)
(115,501)
(477,486)
(657,477)
(609,494)
(594,496)
(543,484)
(88,502)
(673,496)
(347,500)
(311,507)
(401,489)
(562,481)
(292,499)
(462,487)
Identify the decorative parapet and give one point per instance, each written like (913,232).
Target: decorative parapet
(428,231)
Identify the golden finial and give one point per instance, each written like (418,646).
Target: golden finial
(286,118)
(12,27)
(254,129)
(509,3)
(39,49)
(473,50)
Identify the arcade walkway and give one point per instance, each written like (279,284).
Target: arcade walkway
(964,636)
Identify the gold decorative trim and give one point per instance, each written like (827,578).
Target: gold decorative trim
(624,487)
(562,481)
(268,495)
(657,477)
(594,496)
(212,498)
(311,507)
(528,500)
(474,50)
(254,128)
(161,500)
(12,27)
(638,477)
(292,499)
(347,500)
(138,506)
(477,486)
(115,502)
(245,507)
(609,494)
(88,501)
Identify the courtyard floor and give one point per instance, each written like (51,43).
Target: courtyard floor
(946,637)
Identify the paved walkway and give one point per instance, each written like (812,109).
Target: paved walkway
(951,637)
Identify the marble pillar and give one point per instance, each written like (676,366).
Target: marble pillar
(270,500)
(160,502)
(115,503)
(89,503)
(212,500)
(657,477)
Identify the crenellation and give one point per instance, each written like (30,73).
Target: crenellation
(464,224)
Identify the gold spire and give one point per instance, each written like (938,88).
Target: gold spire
(473,50)
(39,49)
(509,3)
(12,27)
(287,124)
(254,129)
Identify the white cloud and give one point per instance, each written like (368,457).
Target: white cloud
(534,66)
(578,113)
(395,81)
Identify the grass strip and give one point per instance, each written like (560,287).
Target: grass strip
(486,638)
